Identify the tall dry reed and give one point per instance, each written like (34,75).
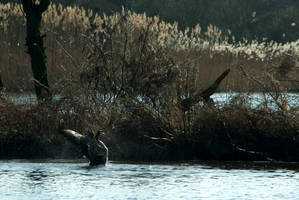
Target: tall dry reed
(208,53)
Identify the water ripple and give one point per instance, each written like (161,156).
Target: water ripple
(22,180)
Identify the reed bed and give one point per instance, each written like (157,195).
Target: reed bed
(128,75)
(210,52)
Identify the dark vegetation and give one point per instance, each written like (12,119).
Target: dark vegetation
(250,19)
(35,44)
(1,83)
(139,80)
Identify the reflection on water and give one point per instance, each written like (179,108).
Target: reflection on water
(192,180)
(37,175)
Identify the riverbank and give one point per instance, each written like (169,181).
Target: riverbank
(229,132)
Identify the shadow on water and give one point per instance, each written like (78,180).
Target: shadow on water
(37,175)
(241,165)
(225,165)
(88,167)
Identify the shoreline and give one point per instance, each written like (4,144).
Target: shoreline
(231,132)
(142,151)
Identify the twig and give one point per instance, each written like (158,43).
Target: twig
(40,84)
(204,95)
(289,80)
(158,139)
(66,52)
(264,87)
(245,150)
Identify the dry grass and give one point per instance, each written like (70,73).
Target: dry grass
(136,133)
(32,130)
(207,52)
(213,133)
(130,79)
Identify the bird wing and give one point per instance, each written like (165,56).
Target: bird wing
(71,135)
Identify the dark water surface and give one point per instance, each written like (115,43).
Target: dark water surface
(65,179)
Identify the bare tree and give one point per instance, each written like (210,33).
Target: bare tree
(1,83)
(34,40)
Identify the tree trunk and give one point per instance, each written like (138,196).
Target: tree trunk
(1,83)
(34,42)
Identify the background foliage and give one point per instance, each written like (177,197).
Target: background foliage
(251,19)
(131,76)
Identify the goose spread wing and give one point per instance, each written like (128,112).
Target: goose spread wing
(71,135)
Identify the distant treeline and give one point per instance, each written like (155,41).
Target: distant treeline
(251,19)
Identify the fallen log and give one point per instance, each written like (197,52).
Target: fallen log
(93,148)
(205,95)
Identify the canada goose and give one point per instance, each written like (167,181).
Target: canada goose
(90,144)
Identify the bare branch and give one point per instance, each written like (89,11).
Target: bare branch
(204,95)
(264,87)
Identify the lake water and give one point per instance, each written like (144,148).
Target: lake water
(64,179)
(251,100)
